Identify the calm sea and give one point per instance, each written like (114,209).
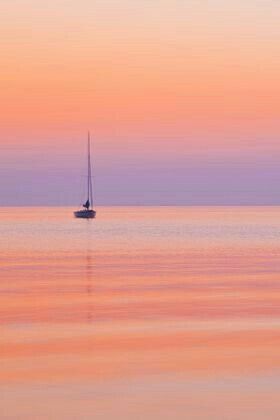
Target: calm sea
(143,313)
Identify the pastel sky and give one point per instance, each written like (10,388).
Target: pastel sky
(182,98)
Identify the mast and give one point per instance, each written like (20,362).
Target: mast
(89,174)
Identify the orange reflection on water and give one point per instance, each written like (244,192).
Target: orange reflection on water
(179,302)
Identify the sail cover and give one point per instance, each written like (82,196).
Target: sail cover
(86,205)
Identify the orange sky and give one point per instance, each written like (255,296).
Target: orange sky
(148,77)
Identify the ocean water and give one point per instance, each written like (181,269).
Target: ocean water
(142,313)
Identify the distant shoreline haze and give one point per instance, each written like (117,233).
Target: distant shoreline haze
(189,186)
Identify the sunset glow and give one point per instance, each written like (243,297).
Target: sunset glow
(139,209)
(165,86)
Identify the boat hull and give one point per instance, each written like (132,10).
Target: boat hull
(85,214)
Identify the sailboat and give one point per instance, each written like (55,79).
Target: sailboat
(87,212)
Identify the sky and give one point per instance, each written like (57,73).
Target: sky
(182,99)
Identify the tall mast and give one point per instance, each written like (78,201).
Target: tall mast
(89,174)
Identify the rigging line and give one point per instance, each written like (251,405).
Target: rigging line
(90,177)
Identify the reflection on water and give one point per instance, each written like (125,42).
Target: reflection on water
(142,313)
(89,281)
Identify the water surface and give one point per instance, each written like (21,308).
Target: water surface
(143,313)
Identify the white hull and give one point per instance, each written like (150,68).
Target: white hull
(85,214)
